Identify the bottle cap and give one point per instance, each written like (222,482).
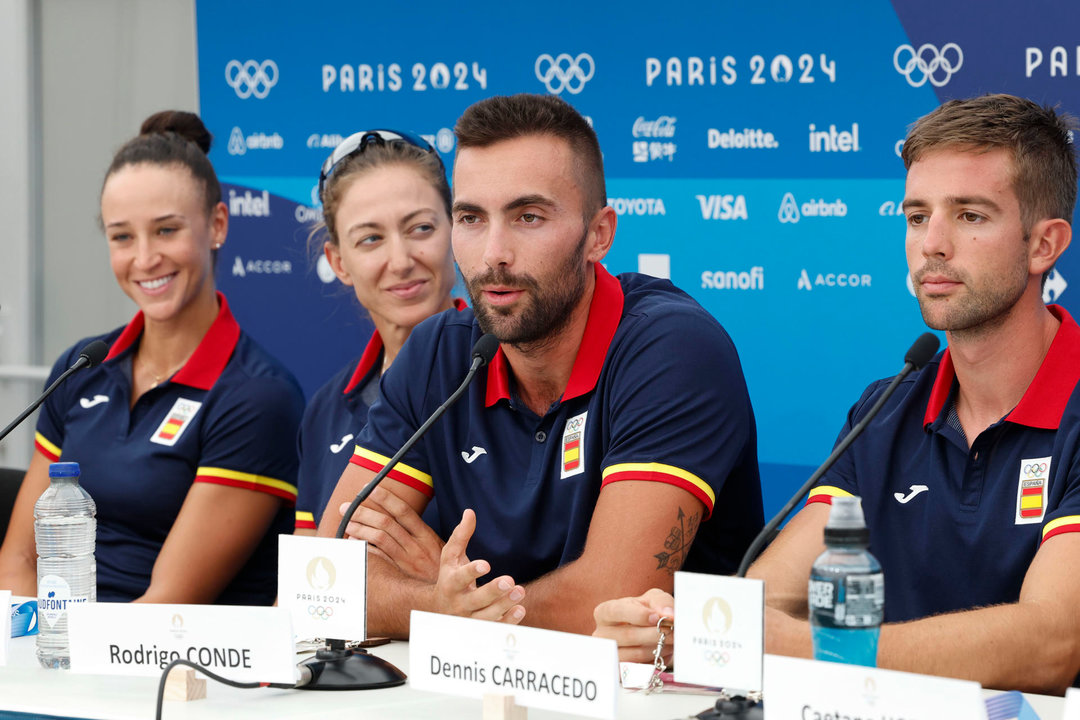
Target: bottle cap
(846,524)
(64,469)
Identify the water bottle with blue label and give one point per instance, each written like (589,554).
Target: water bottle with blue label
(65,531)
(847,590)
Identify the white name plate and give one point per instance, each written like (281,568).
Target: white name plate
(5,624)
(1072,704)
(718,630)
(558,671)
(249,644)
(322,582)
(816,690)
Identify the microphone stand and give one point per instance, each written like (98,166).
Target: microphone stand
(337,667)
(752,706)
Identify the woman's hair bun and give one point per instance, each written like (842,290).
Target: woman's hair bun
(185,124)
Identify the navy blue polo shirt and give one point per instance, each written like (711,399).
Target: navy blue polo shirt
(228,416)
(638,406)
(953,527)
(332,420)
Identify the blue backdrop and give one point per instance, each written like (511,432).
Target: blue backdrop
(751,151)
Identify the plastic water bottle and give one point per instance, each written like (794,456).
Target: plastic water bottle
(65,531)
(847,590)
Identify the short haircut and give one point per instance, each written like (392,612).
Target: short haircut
(1037,137)
(507,117)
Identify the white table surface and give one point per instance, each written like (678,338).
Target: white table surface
(27,687)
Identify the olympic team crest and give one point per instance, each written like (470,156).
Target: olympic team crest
(573,446)
(176,422)
(1031,490)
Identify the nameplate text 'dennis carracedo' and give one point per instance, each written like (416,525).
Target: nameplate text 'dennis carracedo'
(545,669)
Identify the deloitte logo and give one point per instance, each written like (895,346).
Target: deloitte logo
(791,212)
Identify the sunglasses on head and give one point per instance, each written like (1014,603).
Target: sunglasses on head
(361,141)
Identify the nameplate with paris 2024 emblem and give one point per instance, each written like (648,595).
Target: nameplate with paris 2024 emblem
(816,690)
(719,630)
(545,669)
(239,642)
(323,584)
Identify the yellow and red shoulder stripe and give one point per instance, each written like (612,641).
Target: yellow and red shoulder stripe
(659,472)
(416,479)
(305,520)
(1061,525)
(825,494)
(46,448)
(247,481)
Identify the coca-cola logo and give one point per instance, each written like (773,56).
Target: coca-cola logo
(661,127)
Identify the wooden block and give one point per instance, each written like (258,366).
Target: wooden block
(502,707)
(183,685)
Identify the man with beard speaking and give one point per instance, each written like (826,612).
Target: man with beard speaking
(609,443)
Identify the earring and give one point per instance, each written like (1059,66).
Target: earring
(217,246)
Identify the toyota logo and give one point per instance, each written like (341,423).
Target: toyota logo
(928,63)
(251,77)
(564,72)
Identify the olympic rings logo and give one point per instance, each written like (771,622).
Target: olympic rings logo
(251,77)
(923,64)
(1035,469)
(321,612)
(564,72)
(719,658)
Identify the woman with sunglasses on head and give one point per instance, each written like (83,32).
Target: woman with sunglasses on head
(184,432)
(386,215)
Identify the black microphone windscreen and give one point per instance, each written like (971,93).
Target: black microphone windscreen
(922,350)
(485,348)
(94,352)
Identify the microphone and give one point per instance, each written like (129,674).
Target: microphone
(920,353)
(92,354)
(335,667)
(482,353)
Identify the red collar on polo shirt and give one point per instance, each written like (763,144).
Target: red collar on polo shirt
(209,359)
(1045,399)
(605,312)
(374,350)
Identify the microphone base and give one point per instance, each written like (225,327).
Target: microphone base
(351,670)
(736,708)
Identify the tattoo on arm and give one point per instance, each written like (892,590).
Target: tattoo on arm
(677,543)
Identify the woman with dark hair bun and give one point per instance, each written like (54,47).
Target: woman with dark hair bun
(185,432)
